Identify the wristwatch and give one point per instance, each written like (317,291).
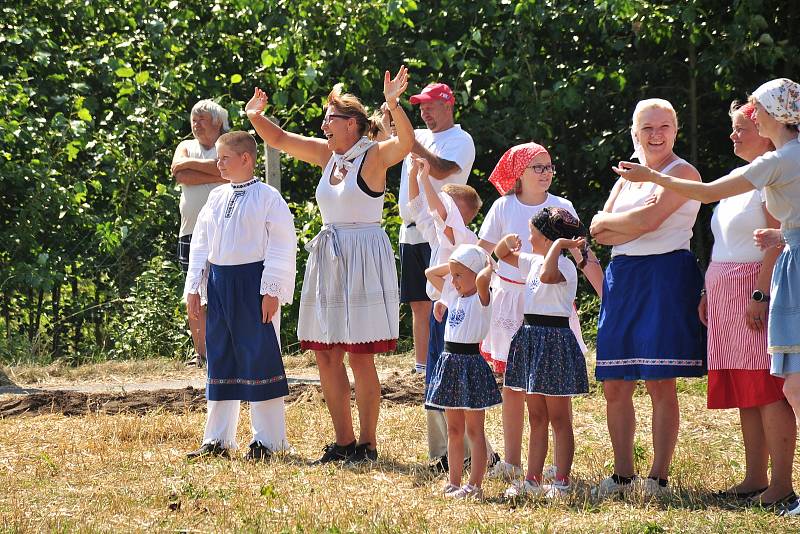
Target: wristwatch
(759,296)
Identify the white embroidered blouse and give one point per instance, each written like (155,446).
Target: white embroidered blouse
(245,223)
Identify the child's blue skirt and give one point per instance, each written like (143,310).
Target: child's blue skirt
(546,360)
(463,382)
(649,328)
(784,310)
(244,359)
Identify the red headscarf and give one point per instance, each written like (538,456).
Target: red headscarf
(512,164)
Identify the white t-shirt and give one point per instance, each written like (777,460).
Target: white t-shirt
(193,197)
(453,144)
(467,320)
(548,299)
(510,216)
(778,174)
(733,223)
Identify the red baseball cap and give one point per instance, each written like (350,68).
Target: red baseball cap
(434,91)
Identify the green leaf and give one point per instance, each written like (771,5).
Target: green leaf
(84,115)
(236,78)
(124,72)
(142,77)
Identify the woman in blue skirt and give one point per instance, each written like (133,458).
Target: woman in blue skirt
(777,175)
(462,382)
(648,327)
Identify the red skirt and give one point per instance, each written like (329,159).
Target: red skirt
(743,388)
(371,347)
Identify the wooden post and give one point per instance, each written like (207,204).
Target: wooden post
(272,163)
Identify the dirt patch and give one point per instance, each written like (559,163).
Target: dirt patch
(397,388)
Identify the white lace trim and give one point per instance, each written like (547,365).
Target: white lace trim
(275,288)
(507,324)
(417,204)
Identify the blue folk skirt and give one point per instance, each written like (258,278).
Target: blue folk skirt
(648,327)
(783,331)
(244,359)
(462,382)
(546,360)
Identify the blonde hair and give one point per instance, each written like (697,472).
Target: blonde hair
(465,193)
(240,142)
(350,105)
(653,103)
(218,114)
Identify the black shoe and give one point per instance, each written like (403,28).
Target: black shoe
(493,459)
(440,465)
(336,453)
(775,506)
(363,454)
(196,361)
(739,495)
(258,452)
(213,448)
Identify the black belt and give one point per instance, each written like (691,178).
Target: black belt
(461,348)
(411,225)
(534,319)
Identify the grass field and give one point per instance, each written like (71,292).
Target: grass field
(126,472)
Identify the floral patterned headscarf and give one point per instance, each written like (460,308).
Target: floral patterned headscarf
(512,164)
(781,99)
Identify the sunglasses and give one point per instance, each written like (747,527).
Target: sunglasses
(328,118)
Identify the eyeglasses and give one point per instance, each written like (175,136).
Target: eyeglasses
(328,118)
(541,169)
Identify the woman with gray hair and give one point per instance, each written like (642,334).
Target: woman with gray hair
(776,175)
(194,167)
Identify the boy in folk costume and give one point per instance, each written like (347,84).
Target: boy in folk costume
(242,263)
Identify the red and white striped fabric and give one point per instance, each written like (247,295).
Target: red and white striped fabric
(731,344)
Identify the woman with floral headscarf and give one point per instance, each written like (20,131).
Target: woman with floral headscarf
(648,328)
(777,175)
(523,176)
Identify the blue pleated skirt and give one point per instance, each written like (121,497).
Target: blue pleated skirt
(244,358)
(462,381)
(648,327)
(546,360)
(783,332)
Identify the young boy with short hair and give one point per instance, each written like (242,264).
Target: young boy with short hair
(242,263)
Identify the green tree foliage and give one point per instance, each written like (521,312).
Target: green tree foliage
(96,95)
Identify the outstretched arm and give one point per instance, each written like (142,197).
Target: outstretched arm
(727,186)
(393,150)
(308,149)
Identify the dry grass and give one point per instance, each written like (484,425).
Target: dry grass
(125,472)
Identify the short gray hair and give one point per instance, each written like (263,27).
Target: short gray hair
(219,115)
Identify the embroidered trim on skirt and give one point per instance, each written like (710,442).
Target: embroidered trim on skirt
(546,360)
(743,388)
(648,327)
(731,343)
(244,357)
(463,382)
(350,294)
(784,309)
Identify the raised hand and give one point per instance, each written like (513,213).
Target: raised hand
(512,242)
(257,103)
(563,243)
(393,88)
(633,172)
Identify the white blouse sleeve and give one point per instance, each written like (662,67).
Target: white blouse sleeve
(197,274)
(461,234)
(278,276)
(418,207)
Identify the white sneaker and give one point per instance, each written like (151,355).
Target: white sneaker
(449,488)
(505,471)
(650,488)
(523,488)
(791,509)
(467,491)
(557,489)
(549,473)
(609,487)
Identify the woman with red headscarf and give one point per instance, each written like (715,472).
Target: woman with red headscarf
(523,176)
(735,309)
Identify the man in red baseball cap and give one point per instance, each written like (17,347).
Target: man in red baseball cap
(450,152)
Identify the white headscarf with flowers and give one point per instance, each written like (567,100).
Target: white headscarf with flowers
(781,99)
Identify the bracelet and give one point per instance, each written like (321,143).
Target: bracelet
(703,292)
